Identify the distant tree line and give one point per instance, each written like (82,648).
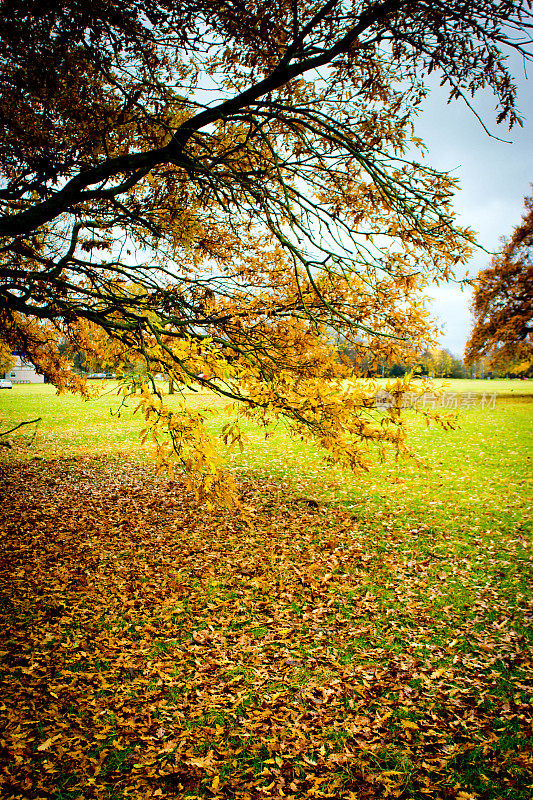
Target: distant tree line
(438,363)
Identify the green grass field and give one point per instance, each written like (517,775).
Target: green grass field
(504,388)
(491,446)
(356,637)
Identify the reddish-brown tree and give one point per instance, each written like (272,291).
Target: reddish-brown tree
(503,303)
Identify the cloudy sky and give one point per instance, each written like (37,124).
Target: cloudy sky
(494,177)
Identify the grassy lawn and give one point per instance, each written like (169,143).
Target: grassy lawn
(504,388)
(357,637)
(72,426)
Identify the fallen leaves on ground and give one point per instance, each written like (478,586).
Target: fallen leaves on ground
(152,648)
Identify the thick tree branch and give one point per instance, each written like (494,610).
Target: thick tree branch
(141,163)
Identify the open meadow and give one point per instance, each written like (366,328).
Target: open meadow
(355,636)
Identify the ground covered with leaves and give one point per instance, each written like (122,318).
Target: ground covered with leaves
(152,648)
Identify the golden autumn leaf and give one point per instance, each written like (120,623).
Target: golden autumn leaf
(47,743)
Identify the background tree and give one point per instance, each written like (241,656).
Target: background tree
(216,186)
(503,304)
(7,359)
(457,367)
(440,363)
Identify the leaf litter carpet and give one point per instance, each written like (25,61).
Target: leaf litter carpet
(152,648)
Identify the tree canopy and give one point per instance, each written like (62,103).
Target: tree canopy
(503,302)
(222,188)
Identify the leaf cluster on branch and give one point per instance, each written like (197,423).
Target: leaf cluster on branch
(225,188)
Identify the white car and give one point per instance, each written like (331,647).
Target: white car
(4,384)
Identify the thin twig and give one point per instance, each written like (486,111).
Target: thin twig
(29,422)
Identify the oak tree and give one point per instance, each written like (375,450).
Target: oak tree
(502,305)
(225,188)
